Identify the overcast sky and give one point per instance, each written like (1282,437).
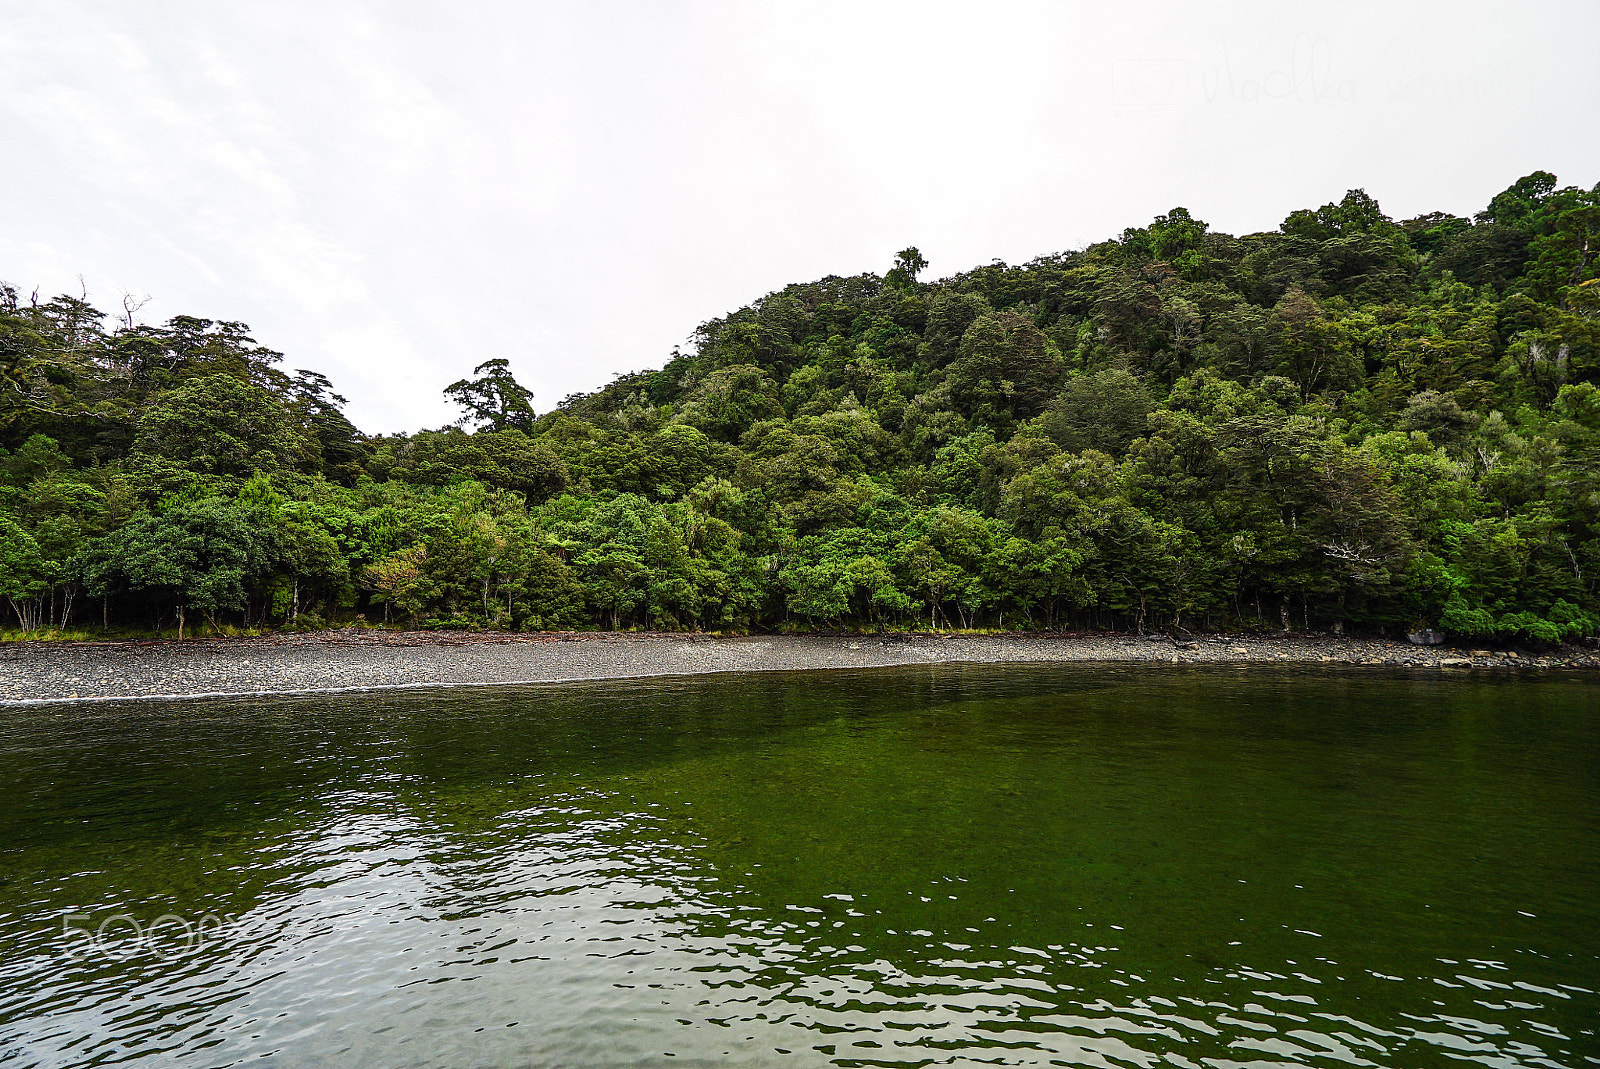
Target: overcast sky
(392,193)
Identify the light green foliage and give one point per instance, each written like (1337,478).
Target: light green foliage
(25,573)
(730,399)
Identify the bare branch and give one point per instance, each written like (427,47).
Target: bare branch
(131,303)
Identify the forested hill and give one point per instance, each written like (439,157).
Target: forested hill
(1345,422)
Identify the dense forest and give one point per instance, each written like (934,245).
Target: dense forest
(1346,422)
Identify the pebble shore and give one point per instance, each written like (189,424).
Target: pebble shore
(373,659)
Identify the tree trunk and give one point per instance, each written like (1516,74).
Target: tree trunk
(180,623)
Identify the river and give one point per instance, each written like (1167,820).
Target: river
(946,865)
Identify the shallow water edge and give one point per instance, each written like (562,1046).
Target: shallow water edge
(359,661)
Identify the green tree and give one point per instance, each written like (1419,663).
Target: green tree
(25,574)
(199,556)
(908,264)
(1104,411)
(221,425)
(493,398)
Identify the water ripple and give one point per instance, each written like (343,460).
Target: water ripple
(639,876)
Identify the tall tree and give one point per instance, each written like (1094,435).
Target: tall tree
(493,399)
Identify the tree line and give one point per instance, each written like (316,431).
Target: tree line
(1345,422)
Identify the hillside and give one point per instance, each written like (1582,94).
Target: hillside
(1346,422)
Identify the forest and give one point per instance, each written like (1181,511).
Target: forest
(1348,423)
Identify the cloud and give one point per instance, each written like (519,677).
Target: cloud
(393,193)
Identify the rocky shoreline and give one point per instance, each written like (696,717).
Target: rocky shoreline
(373,659)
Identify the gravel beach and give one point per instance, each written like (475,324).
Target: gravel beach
(337,660)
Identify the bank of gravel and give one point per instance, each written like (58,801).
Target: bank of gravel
(33,672)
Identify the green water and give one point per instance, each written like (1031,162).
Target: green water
(939,866)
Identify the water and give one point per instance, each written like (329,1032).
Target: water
(939,866)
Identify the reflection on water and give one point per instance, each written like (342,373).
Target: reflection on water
(941,866)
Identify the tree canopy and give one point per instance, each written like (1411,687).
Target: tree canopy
(1349,421)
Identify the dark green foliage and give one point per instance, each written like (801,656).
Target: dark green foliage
(1345,422)
(195,556)
(1104,411)
(494,399)
(221,425)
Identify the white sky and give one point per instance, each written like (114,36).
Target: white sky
(392,192)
